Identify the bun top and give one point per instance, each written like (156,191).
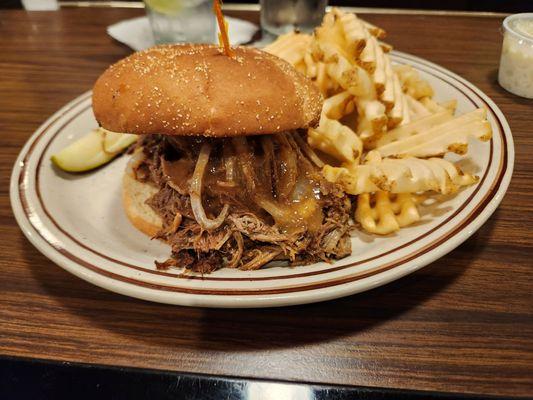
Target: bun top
(198,90)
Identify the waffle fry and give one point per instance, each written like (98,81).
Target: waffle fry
(380,77)
(387,48)
(354,32)
(338,106)
(408,175)
(375,30)
(412,83)
(331,33)
(322,79)
(449,105)
(336,139)
(451,136)
(430,105)
(372,121)
(383,213)
(406,114)
(311,66)
(349,76)
(416,109)
(434,107)
(368,58)
(387,96)
(407,130)
(397,114)
(291,47)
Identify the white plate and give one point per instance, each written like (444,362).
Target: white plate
(78,222)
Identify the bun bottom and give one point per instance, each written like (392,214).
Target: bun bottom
(140,214)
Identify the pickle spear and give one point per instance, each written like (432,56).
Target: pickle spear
(93,150)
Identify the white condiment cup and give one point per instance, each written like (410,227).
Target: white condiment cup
(516,63)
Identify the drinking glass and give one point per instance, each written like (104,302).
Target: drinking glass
(175,21)
(282,16)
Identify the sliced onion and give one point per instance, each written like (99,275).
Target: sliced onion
(268,146)
(270,173)
(277,212)
(196,193)
(226,184)
(229,163)
(175,224)
(240,248)
(309,152)
(261,259)
(177,173)
(245,158)
(288,165)
(331,240)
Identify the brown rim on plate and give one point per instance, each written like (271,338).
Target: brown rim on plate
(276,290)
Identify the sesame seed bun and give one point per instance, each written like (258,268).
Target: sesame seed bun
(140,214)
(197,90)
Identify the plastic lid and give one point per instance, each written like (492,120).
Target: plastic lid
(510,25)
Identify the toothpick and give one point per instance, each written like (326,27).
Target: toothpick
(223,37)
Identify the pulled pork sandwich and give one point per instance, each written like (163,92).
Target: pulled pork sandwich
(222,171)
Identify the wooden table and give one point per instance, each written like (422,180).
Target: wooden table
(463,324)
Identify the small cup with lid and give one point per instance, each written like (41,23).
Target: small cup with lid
(516,63)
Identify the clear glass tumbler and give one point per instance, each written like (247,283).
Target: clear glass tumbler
(175,21)
(282,16)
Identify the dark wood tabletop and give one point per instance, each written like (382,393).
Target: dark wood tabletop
(463,324)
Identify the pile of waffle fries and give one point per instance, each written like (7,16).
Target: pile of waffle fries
(383,135)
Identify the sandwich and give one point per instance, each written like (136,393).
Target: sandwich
(222,171)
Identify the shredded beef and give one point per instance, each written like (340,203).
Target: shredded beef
(271,167)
